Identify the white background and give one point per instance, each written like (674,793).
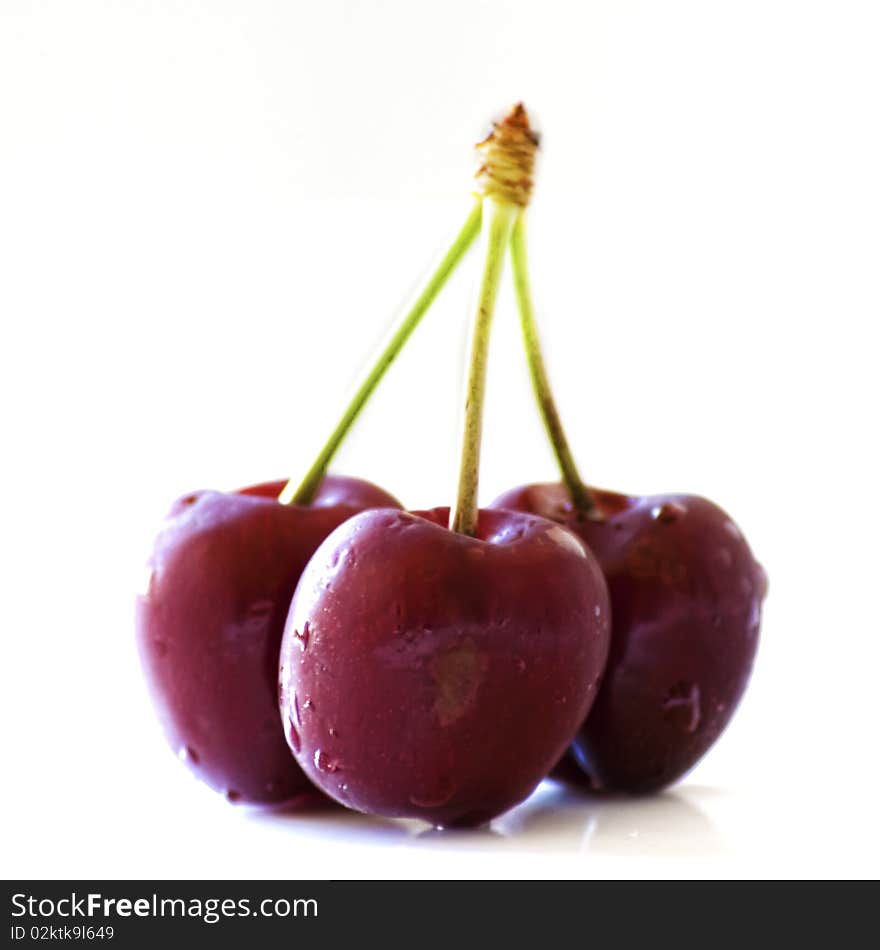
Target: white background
(209,212)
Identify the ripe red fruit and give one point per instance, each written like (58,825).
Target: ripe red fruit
(209,626)
(686,597)
(433,675)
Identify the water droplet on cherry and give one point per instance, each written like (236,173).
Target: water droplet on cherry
(293,736)
(684,698)
(668,512)
(302,637)
(324,763)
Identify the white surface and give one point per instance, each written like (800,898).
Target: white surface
(207,214)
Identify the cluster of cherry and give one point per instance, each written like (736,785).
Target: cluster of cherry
(313,636)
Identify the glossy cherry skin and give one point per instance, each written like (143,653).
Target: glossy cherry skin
(427,674)
(209,624)
(686,597)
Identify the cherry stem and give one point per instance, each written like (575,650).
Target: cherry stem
(498,221)
(580,494)
(303,492)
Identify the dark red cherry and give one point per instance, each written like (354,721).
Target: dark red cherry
(209,625)
(686,597)
(433,675)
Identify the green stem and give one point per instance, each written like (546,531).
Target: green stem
(580,494)
(497,223)
(303,493)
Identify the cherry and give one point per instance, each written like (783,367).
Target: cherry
(209,626)
(430,674)
(686,598)
(436,664)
